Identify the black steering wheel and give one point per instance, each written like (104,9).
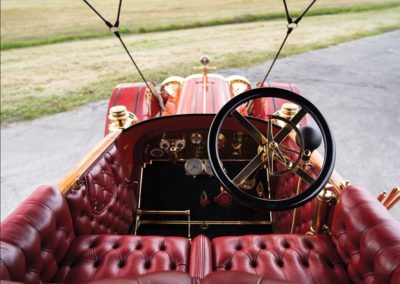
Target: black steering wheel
(269,149)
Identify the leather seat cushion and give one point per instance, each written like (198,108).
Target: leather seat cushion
(298,258)
(110,256)
(166,277)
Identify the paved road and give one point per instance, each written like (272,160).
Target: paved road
(355,84)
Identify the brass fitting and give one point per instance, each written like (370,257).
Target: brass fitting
(288,111)
(120,118)
(325,201)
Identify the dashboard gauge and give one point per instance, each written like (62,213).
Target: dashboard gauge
(194,167)
(208,168)
(164,144)
(156,152)
(180,144)
(196,138)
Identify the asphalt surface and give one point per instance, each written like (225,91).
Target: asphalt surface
(356,85)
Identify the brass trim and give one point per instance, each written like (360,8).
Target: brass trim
(391,196)
(163,212)
(140,212)
(325,201)
(199,222)
(77,184)
(391,199)
(344,184)
(382,196)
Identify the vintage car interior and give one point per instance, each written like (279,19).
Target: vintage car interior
(208,180)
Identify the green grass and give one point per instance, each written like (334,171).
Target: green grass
(46,80)
(216,22)
(35,107)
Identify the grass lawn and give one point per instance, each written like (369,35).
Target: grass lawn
(34,22)
(43,80)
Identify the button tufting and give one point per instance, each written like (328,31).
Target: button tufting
(115,246)
(228,266)
(121,264)
(330,264)
(239,247)
(254,264)
(263,246)
(92,245)
(96,263)
(173,266)
(280,263)
(286,245)
(139,246)
(147,265)
(162,247)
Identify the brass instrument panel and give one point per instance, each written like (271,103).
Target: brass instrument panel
(190,146)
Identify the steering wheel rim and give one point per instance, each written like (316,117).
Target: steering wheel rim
(254,201)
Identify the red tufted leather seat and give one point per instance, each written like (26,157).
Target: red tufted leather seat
(367,237)
(36,237)
(111,256)
(38,245)
(105,203)
(298,258)
(166,277)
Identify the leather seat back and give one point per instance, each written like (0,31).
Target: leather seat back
(367,237)
(105,203)
(36,237)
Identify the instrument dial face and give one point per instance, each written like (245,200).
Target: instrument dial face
(164,144)
(180,144)
(196,138)
(208,168)
(194,167)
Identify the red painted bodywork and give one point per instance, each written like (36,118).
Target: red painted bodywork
(197,95)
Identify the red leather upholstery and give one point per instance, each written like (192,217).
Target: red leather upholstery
(163,277)
(200,257)
(298,258)
(367,237)
(287,187)
(235,277)
(109,256)
(36,237)
(173,277)
(105,203)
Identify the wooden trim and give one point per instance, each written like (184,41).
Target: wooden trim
(335,180)
(78,170)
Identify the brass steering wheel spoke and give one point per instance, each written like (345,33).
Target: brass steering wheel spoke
(304,176)
(250,168)
(286,149)
(251,129)
(284,132)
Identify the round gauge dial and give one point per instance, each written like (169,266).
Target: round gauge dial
(180,144)
(194,167)
(208,168)
(196,138)
(164,144)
